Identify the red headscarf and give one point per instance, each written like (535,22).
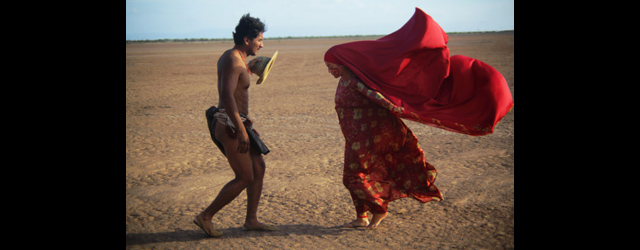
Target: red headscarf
(411,67)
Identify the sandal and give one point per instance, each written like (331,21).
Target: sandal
(209,231)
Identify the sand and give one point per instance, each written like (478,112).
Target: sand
(173,169)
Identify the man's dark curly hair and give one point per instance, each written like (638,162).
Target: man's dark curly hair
(249,27)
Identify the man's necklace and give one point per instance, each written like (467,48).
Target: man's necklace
(245,62)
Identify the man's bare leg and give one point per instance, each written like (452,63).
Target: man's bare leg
(254,191)
(242,166)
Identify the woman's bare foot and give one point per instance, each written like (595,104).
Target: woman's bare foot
(360,222)
(375,221)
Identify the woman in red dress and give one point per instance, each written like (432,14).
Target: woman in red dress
(382,159)
(406,74)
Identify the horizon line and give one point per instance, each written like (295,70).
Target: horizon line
(293,37)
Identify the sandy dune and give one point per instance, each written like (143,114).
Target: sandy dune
(173,169)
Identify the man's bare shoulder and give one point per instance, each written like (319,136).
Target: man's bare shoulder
(230,57)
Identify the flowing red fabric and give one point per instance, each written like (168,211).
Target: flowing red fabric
(411,67)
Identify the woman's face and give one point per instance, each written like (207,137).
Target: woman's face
(334,69)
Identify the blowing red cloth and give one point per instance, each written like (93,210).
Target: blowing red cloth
(411,67)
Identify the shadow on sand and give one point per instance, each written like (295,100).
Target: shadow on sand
(237,232)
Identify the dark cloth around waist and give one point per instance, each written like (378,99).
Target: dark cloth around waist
(254,138)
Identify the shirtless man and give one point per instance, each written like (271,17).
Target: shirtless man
(230,128)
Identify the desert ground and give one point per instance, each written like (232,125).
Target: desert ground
(174,170)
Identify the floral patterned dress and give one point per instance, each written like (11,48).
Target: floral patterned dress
(382,159)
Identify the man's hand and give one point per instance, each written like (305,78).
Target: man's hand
(243,141)
(253,62)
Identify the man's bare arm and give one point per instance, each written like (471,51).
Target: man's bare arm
(230,77)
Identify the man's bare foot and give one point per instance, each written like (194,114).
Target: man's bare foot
(258,226)
(206,226)
(360,222)
(375,221)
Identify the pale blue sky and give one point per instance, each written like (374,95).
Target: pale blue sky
(174,19)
